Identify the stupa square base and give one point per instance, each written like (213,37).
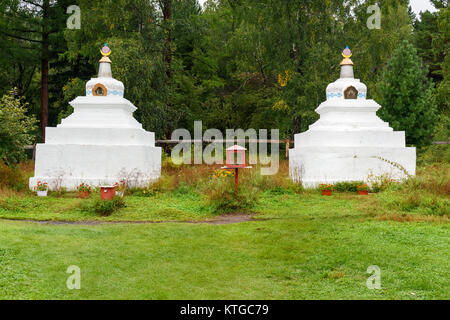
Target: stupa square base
(99,136)
(69,165)
(315,165)
(355,138)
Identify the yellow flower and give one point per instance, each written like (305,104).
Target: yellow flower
(283,79)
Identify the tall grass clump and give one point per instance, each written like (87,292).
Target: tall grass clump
(15,178)
(426,193)
(220,192)
(221,195)
(278,183)
(415,203)
(433,179)
(434,154)
(203,181)
(103,208)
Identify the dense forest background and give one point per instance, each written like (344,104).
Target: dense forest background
(233,63)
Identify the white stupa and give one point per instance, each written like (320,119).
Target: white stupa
(100,143)
(349,141)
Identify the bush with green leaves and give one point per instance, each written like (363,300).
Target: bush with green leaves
(103,207)
(16,129)
(107,207)
(347,186)
(429,155)
(222,197)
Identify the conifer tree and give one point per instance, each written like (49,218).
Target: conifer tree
(407,96)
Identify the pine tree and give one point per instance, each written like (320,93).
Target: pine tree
(407,96)
(31,32)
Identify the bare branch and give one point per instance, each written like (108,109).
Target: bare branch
(20,38)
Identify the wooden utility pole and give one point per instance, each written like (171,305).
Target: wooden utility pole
(167,15)
(44,68)
(288,144)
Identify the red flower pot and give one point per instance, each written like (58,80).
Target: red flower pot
(83,194)
(327,192)
(363,192)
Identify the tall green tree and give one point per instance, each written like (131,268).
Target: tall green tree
(426,34)
(407,96)
(16,128)
(31,32)
(234,63)
(432,35)
(152,49)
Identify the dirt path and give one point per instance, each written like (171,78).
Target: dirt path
(224,219)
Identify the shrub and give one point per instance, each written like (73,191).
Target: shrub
(433,154)
(425,193)
(103,207)
(380,182)
(107,207)
(223,199)
(15,178)
(347,186)
(418,202)
(16,129)
(167,163)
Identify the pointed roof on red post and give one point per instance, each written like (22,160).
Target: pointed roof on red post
(236,148)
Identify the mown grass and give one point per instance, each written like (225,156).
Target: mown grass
(300,245)
(159,207)
(314,254)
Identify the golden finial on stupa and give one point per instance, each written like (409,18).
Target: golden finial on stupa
(347,53)
(105,51)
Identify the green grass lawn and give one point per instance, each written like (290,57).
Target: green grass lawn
(300,246)
(161,207)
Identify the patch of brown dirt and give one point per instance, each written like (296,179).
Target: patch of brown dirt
(223,219)
(230,218)
(411,218)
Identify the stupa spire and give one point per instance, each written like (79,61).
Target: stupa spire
(104,71)
(347,64)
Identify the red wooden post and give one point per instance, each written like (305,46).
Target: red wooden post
(236,179)
(240,162)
